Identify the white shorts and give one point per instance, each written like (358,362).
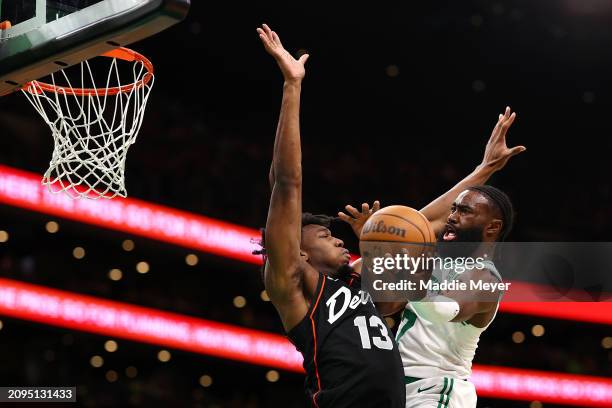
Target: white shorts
(440,392)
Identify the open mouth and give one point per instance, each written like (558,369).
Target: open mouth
(450,233)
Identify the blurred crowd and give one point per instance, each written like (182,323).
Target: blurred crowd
(39,354)
(401,125)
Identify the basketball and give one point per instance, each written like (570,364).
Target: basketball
(190,208)
(398,223)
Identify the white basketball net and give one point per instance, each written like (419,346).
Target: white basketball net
(92,132)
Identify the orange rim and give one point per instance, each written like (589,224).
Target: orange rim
(122,53)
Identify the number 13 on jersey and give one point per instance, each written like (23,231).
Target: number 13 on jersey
(383,341)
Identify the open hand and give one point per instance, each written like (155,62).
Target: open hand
(357,219)
(293,69)
(497,153)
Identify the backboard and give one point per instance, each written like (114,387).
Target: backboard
(48,35)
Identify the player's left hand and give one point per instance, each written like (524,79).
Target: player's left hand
(293,69)
(497,153)
(357,219)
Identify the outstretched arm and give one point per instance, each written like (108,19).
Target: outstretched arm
(496,156)
(283,275)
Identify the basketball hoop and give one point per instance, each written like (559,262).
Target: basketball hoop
(93,127)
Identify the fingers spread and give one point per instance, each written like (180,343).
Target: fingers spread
(345,217)
(265,42)
(352,210)
(376,206)
(507,123)
(516,150)
(276,38)
(268,31)
(501,118)
(304,58)
(263,35)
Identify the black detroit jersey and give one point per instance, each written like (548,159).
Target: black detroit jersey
(350,356)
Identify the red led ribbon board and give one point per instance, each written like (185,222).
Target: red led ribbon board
(109,318)
(115,319)
(543,386)
(23,189)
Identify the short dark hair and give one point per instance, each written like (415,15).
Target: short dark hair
(500,201)
(317,219)
(307,219)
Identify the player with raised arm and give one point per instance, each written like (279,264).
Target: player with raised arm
(439,334)
(350,357)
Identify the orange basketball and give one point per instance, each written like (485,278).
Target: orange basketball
(398,223)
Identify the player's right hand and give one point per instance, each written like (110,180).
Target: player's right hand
(293,69)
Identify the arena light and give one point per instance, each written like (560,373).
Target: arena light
(120,320)
(543,386)
(23,189)
(590,312)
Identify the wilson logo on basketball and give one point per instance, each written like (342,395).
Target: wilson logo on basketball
(382,228)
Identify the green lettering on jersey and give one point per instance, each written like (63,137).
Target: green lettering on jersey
(408,318)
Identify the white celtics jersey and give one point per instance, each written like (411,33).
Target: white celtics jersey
(436,350)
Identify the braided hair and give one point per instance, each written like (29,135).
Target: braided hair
(501,202)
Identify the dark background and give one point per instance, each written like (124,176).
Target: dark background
(367,134)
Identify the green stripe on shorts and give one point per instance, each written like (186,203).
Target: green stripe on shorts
(452,382)
(442,393)
(443,402)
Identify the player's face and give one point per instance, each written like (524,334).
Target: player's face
(325,252)
(470,220)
